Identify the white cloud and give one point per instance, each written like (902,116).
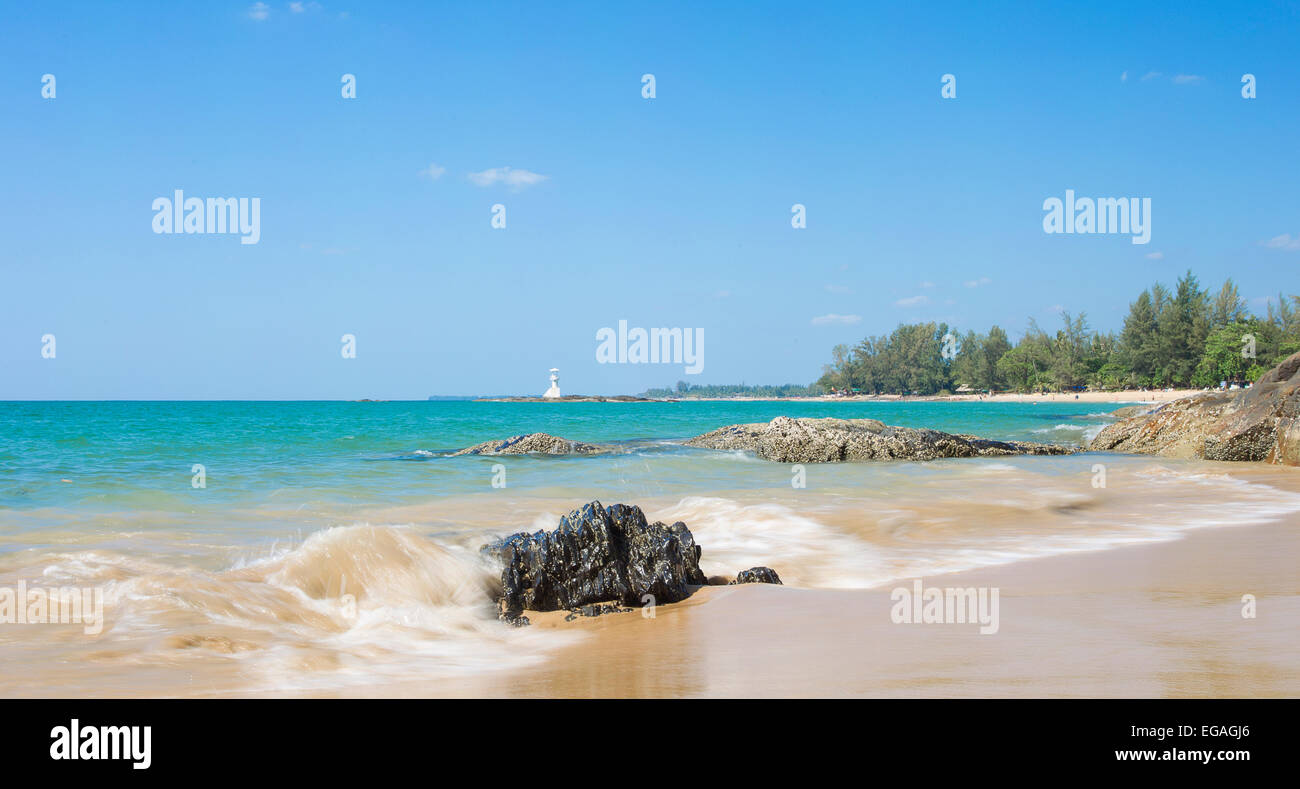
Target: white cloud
(839,289)
(927,284)
(1284,241)
(1123,77)
(515,179)
(433,171)
(836,320)
(259,11)
(1156,256)
(911,301)
(975,283)
(296,8)
(1177,79)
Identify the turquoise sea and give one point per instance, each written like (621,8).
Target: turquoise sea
(131,455)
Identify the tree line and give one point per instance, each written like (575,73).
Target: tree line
(1185,337)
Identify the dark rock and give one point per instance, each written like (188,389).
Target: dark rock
(533,443)
(757,575)
(828,440)
(1261,423)
(597,555)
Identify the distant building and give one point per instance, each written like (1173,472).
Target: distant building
(554,391)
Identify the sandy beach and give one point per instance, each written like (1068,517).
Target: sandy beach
(1156,620)
(1147,621)
(1132,396)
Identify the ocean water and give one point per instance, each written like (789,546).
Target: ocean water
(335,545)
(131,456)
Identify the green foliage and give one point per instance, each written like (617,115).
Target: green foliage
(1023,367)
(1184,337)
(909,361)
(1231,352)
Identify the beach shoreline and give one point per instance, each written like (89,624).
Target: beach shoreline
(1119,398)
(1145,621)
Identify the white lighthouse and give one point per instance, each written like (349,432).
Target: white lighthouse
(554,391)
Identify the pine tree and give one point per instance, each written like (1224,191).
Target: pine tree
(995,347)
(1138,340)
(1228,306)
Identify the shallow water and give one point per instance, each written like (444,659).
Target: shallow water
(335,545)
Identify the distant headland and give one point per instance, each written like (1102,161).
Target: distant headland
(552,395)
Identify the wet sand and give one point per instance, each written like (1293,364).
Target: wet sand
(1149,620)
(1156,620)
(1136,593)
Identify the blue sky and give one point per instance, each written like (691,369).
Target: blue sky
(668,212)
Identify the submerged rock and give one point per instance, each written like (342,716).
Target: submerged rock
(829,440)
(597,555)
(757,575)
(1261,423)
(529,443)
